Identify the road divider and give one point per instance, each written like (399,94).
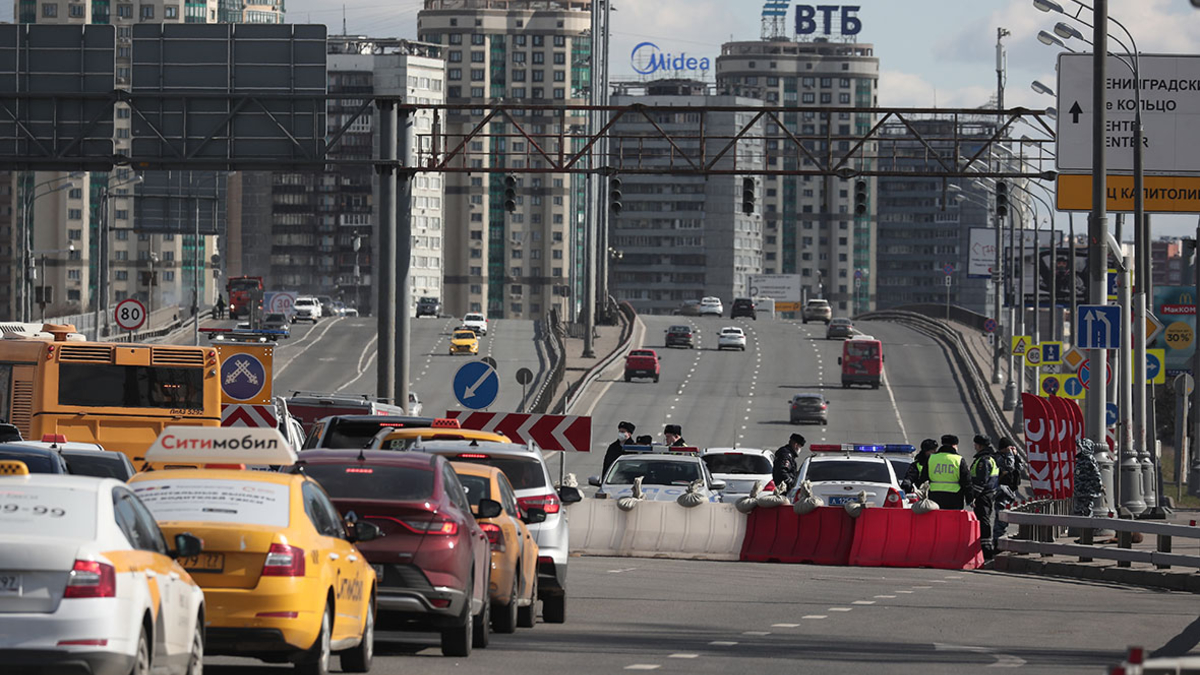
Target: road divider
(942,539)
(821,537)
(657,530)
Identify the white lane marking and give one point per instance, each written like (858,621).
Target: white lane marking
(933,581)
(362,366)
(815,616)
(683,656)
(885,596)
(756,632)
(722,643)
(863,602)
(956,576)
(922,588)
(905,592)
(787,625)
(840,609)
(622,570)
(279,370)
(888,385)
(643,666)
(1002,660)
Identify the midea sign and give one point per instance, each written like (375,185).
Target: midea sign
(647,59)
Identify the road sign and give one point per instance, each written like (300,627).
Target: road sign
(246,373)
(949,280)
(476,385)
(524,376)
(550,432)
(1085,374)
(279,302)
(1113,284)
(1164,194)
(1072,387)
(858,274)
(1169,106)
(130,314)
(1110,418)
(1156,368)
(1184,381)
(989,326)
(1049,385)
(784,289)
(1073,358)
(252,416)
(1099,327)
(948,269)
(489,360)
(1051,353)
(1033,356)
(1021,344)
(1154,328)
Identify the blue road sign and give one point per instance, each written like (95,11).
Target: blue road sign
(1051,352)
(476,385)
(1110,419)
(989,326)
(242,377)
(948,269)
(1073,386)
(1153,366)
(1112,284)
(1099,327)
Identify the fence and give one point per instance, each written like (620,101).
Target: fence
(551,331)
(1124,553)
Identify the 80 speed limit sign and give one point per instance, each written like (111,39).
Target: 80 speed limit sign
(130,314)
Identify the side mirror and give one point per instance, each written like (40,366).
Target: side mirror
(571,495)
(187,545)
(488,508)
(362,530)
(534,515)
(718,485)
(592,480)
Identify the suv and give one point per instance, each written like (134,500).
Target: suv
(306,308)
(327,305)
(743,307)
(526,470)
(817,310)
(428,306)
(476,322)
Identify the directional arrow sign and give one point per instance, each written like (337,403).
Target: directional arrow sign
(1075,111)
(1100,327)
(550,432)
(476,385)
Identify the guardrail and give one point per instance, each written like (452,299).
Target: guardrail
(571,396)
(1124,553)
(552,341)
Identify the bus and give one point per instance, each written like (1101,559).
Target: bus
(861,361)
(117,394)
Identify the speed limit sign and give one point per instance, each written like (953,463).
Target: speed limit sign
(130,314)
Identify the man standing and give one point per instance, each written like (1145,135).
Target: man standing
(673,433)
(949,480)
(786,467)
(918,465)
(1011,469)
(617,448)
(985,475)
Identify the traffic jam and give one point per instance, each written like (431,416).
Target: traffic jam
(154,522)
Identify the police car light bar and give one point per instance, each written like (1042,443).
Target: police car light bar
(863,447)
(643,449)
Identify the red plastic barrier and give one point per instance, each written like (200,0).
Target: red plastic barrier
(943,539)
(823,537)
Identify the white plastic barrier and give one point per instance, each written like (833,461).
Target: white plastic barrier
(657,530)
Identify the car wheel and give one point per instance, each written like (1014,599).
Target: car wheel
(358,659)
(196,657)
(656,378)
(482,633)
(527,615)
(316,659)
(504,617)
(554,609)
(743,349)
(141,663)
(456,640)
(628,378)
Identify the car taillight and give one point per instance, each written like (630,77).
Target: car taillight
(770,486)
(494,534)
(91,579)
(446,527)
(824,406)
(548,503)
(284,561)
(893,498)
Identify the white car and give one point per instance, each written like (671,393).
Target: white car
(839,473)
(731,337)
(740,469)
(666,474)
(476,322)
(414,404)
(306,308)
(710,306)
(89,584)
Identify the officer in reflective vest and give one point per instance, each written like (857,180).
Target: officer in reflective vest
(985,476)
(913,475)
(949,480)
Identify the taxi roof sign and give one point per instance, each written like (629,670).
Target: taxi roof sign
(221,445)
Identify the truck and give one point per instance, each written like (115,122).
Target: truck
(244,293)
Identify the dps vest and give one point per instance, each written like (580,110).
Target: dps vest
(944,471)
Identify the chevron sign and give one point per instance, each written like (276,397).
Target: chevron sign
(245,415)
(550,432)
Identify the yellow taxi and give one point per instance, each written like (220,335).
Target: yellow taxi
(513,587)
(442,429)
(464,341)
(282,578)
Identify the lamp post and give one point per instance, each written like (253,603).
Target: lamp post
(100,302)
(26,309)
(45,297)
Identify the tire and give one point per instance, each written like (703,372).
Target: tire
(196,658)
(554,609)
(874,385)
(358,659)
(141,662)
(456,640)
(481,636)
(656,378)
(504,617)
(316,659)
(628,378)
(527,615)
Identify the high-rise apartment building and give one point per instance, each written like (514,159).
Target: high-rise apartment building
(517,264)
(809,224)
(685,237)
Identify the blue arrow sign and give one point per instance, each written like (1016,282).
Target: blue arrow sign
(1073,386)
(1110,419)
(1099,327)
(476,385)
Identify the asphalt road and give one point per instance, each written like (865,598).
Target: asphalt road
(689,617)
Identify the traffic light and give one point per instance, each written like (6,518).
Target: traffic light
(1001,199)
(748,196)
(510,193)
(861,202)
(614,196)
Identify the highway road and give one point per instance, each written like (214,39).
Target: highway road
(707,617)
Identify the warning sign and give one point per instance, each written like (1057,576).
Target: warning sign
(1021,344)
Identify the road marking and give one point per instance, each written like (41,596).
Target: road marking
(815,616)
(956,576)
(888,385)
(362,366)
(643,666)
(683,656)
(722,643)
(922,587)
(886,596)
(624,569)
(840,609)
(905,592)
(1002,660)
(280,368)
(788,625)
(932,581)
(756,632)
(863,602)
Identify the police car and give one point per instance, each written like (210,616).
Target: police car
(88,582)
(666,473)
(740,469)
(839,473)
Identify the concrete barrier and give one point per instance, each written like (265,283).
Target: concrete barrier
(656,530)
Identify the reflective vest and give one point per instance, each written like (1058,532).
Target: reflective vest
(993,478)
(944,471)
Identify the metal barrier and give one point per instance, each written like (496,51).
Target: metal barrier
(1052,507)
(551,331)
(1124,553)
(564,404)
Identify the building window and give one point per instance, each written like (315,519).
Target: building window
(519,40)
(168,275)
(518,57)
(76,11)
(539,76)
(75,235)
(170,12)
(560,59)
(147,12)
(477,39)
(518,76)
(75,193)
(456,38)
(539,57)
(477,74)
(122,275)
(515,308)
(50,10)
(476,92)
(455,57)
(74,275)
(478,57)
(74,214)
(516,254)
(454,74)
(122,235)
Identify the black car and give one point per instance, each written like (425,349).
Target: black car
(99,463)
(681,336)
(429,307)
(37,460)
(743,307)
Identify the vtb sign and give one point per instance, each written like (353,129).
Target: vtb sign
(819,19)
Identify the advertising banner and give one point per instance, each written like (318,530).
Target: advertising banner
(784,289)
(1175,307)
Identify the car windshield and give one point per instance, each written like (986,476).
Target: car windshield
(680,329)
(473,317)
(849,471)
(275,318)
(732,331)
(477,487)
(351,435)
(100,466)
(840,322)
(641,352)
(653,472)
(736,462)
(373,481)
(464,335)
(807,400)
(524,474)
(862,349)
(34,461)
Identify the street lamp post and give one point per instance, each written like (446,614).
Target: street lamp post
(45,288)
(26,303)
(100,302)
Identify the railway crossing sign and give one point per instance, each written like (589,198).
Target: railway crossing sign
(1099,327)
(246,372)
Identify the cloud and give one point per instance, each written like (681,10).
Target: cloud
(909,90)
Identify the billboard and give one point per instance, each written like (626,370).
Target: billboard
(981,254)
(784,289)
(1175,307)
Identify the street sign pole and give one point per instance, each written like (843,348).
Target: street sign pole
(1194,472)
(1131,467)
(385,269)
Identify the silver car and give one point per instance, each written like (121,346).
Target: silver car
(665,475)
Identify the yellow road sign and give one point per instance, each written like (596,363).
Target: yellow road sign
(1073,358)
(1033,356)
(1156,366)
(1051,353)
(1164,194)
(1153,327)
(1020,344)
(246,373)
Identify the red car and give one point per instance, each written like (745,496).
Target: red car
(433,562)
(641,363)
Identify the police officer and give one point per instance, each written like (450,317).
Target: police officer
(673,433)
(617,448)
(918,465)
(985,476)
(786,467)
(949,480)
(1011,468)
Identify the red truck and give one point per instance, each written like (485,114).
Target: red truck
(240,291)
(641,363)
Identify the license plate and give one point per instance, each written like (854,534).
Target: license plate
(840,501)
(205,562)
(378,572)
(10,584)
